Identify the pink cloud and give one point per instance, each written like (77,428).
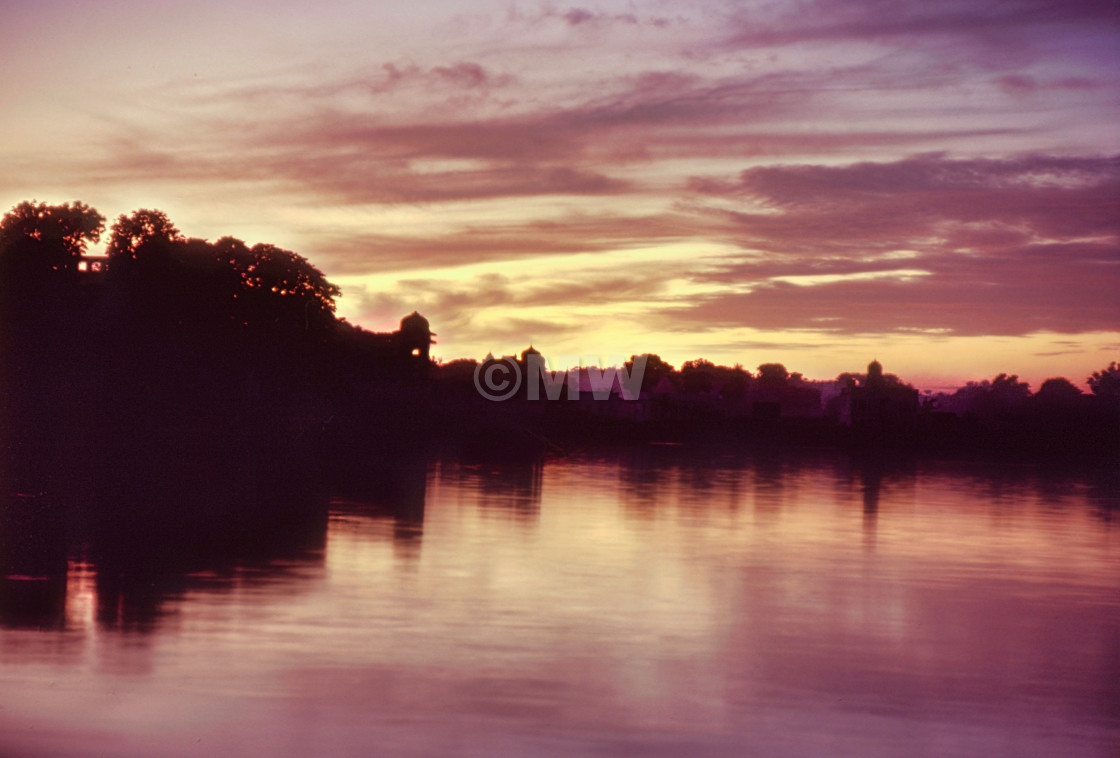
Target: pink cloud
(515,241)
(585,17)
(906,201)
(1005,246)
(963,300)
(820,20)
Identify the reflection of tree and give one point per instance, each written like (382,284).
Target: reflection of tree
(871,482)
(645,475)
(655,478)
(1104,494)
(145,559)
(509,487)
(869,472)
(32,562)
(389,490)
(770,478)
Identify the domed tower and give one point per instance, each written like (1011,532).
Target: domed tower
(527,353)
(874,374)
(416,335)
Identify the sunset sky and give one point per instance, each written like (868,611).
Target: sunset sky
(933,184)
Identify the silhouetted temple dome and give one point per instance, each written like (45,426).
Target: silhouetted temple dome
(414,323)
(529,351)
(875,370)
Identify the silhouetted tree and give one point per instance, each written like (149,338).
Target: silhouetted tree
(656,370)
(264,284)
(233,252)
(698,376)
(1000,396)
(74,224)
(1058,390)
(1105,385)
(131,233)
(45,350)
(39,237)
(289,276)
(773,374)
(1009,389)
(734,381)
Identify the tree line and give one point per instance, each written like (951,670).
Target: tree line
(236,349)
(176,354)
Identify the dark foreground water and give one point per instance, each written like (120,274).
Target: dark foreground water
(648,604)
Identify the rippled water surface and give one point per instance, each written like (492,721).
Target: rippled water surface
(651,603)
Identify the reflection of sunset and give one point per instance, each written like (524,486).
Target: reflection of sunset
(737,181)
(81,597)
(659,600)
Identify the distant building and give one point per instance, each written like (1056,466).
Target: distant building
(415,336)
(879,403)
(411,344)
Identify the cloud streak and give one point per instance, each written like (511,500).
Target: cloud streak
(1006,246)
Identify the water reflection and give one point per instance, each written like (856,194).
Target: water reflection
(871,481)
(393,493)
(501,488)
(132,557)
(33,563)
(132,580)
(656,601)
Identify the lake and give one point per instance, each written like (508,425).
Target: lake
(647,602)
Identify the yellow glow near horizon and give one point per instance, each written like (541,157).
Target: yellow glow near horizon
(937,363)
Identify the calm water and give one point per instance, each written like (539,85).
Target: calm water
(650,604)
